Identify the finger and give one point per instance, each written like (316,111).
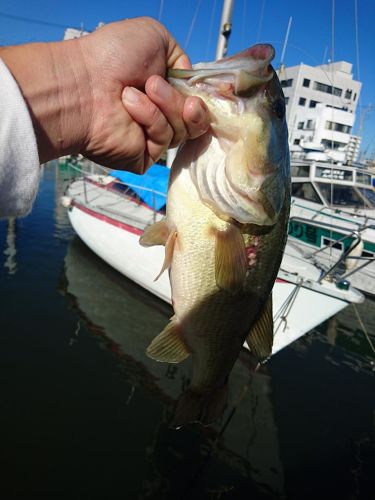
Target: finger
(176,109)
(158,131)
(171,103)
(196,117)
(176,57)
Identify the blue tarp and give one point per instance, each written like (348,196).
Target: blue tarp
(155,179)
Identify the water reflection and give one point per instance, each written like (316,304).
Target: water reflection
(239,453)
(351,335)
(10,251)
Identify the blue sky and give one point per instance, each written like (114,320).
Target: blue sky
(253,21)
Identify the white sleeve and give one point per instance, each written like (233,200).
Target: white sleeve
(19,159)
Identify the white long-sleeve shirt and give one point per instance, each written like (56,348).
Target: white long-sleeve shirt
(19,159)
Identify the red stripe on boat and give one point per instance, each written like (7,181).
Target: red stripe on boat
(108,220)
(279,280)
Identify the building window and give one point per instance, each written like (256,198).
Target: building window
(306,82)
(286,100)
(310,124)
(338,127)
(302,101)
(355,97)
(328,144)
(287,83)
(313,103)
(348,94)
(322,87)
(300,125)
(296,141)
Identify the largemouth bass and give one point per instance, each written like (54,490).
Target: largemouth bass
(225,226)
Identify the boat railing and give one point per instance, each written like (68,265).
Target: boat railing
(354,238)
(334,227)
(342,215)
(88,169)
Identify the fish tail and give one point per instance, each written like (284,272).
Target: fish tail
(204,408)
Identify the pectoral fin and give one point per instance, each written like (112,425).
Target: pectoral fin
(169,346)
(260,338)
(156,234)
(230,259)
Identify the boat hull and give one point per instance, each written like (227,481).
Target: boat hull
(297,306)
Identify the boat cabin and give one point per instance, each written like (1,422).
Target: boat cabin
(332,185)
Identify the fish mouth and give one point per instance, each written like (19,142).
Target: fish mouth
(242,72)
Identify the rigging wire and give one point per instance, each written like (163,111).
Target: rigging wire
(332,115)
(160,10)
(35,21)
(260,21)
(192,24)
(357,39)
(213,12)
(244,19)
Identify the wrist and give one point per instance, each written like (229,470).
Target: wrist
(55,84)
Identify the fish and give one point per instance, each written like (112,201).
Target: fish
(225,227)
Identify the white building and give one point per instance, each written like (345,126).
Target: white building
(321,104)
(352,150)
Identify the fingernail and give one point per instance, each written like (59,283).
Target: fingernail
(162,88)
(131,95)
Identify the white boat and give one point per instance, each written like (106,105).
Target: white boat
(110,215)
(333,218)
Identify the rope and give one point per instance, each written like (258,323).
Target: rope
(364,329)
(286,307)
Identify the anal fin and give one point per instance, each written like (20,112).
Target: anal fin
(260,338)
(169,346)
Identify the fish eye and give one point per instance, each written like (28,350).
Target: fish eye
(278,107)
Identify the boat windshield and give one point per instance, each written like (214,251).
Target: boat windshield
(306,191)
(336,194)
(300,170)
(369,194)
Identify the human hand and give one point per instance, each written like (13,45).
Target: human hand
(104,94)
(136,114)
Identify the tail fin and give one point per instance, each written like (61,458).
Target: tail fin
(204,408)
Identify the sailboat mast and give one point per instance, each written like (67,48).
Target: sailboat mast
(225,29)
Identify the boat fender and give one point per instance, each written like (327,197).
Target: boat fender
(66,201)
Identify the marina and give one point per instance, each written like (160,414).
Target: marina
(83,410)
(111,212)
(85,413)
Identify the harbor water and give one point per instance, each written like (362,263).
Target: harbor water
(84,413)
